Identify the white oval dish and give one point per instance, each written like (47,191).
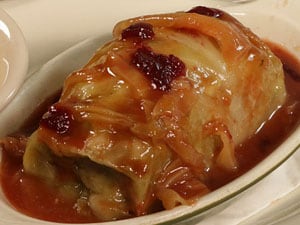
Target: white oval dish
(13,58)
(53,73)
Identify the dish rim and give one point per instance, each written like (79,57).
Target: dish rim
(16,54)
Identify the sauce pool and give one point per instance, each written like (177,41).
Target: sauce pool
(35,198)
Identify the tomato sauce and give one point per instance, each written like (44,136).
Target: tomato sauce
(34,197)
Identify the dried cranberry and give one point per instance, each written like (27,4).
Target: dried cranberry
(160,69)
(207,11)
(58,118)
(139,31)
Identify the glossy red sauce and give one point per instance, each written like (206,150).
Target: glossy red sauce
(35,198)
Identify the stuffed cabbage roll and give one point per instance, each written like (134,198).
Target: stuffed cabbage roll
(155,109)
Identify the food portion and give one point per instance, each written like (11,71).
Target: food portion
(141,126)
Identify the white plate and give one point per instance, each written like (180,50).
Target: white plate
(52,74)
(13,58)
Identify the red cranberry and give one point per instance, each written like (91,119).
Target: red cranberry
(59,119)
(207,11)
(139,31)
(160,69)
